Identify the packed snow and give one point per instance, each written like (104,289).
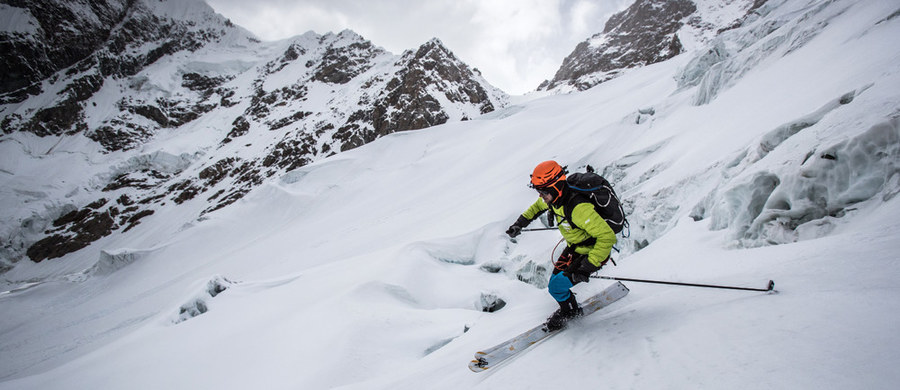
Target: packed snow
(384,267)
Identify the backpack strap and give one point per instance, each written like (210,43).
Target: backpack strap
(579,198)
(569,206)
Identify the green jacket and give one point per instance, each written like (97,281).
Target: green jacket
(588,224)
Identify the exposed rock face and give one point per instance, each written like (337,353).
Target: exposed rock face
(412,98)
(52,36)
(122,74)
(645,33)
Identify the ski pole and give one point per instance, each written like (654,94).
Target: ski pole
(538,229)
(770,288)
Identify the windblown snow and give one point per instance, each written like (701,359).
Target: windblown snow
(772,152)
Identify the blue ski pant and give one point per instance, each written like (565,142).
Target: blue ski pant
(559,287)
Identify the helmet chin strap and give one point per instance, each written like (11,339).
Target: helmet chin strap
(556,197)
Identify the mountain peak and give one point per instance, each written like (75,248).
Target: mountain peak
(343,38)
(435,42)
(647,32)
(117,36)
(435,49)
(192,10)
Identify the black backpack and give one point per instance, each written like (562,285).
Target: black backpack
(591,187)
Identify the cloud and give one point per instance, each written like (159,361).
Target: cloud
(516,44)
(274,20)
(582,18)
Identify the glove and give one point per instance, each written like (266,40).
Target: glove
(572,271)
(516,228)
(580,269)
(514,231)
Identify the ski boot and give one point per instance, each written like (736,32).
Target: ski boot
(567,311)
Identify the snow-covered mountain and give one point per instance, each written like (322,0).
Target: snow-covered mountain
(112,82)
(770,150)
(647,32)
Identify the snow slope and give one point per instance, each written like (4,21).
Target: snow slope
(369,269)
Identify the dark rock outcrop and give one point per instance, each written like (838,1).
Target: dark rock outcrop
(58,38)
(408,103)
(643,34)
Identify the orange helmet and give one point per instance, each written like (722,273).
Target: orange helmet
(549,177)
(546,174)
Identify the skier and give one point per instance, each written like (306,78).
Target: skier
(588,237)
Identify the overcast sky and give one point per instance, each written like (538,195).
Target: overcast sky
(516,44)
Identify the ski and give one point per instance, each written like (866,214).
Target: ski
(493,356)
